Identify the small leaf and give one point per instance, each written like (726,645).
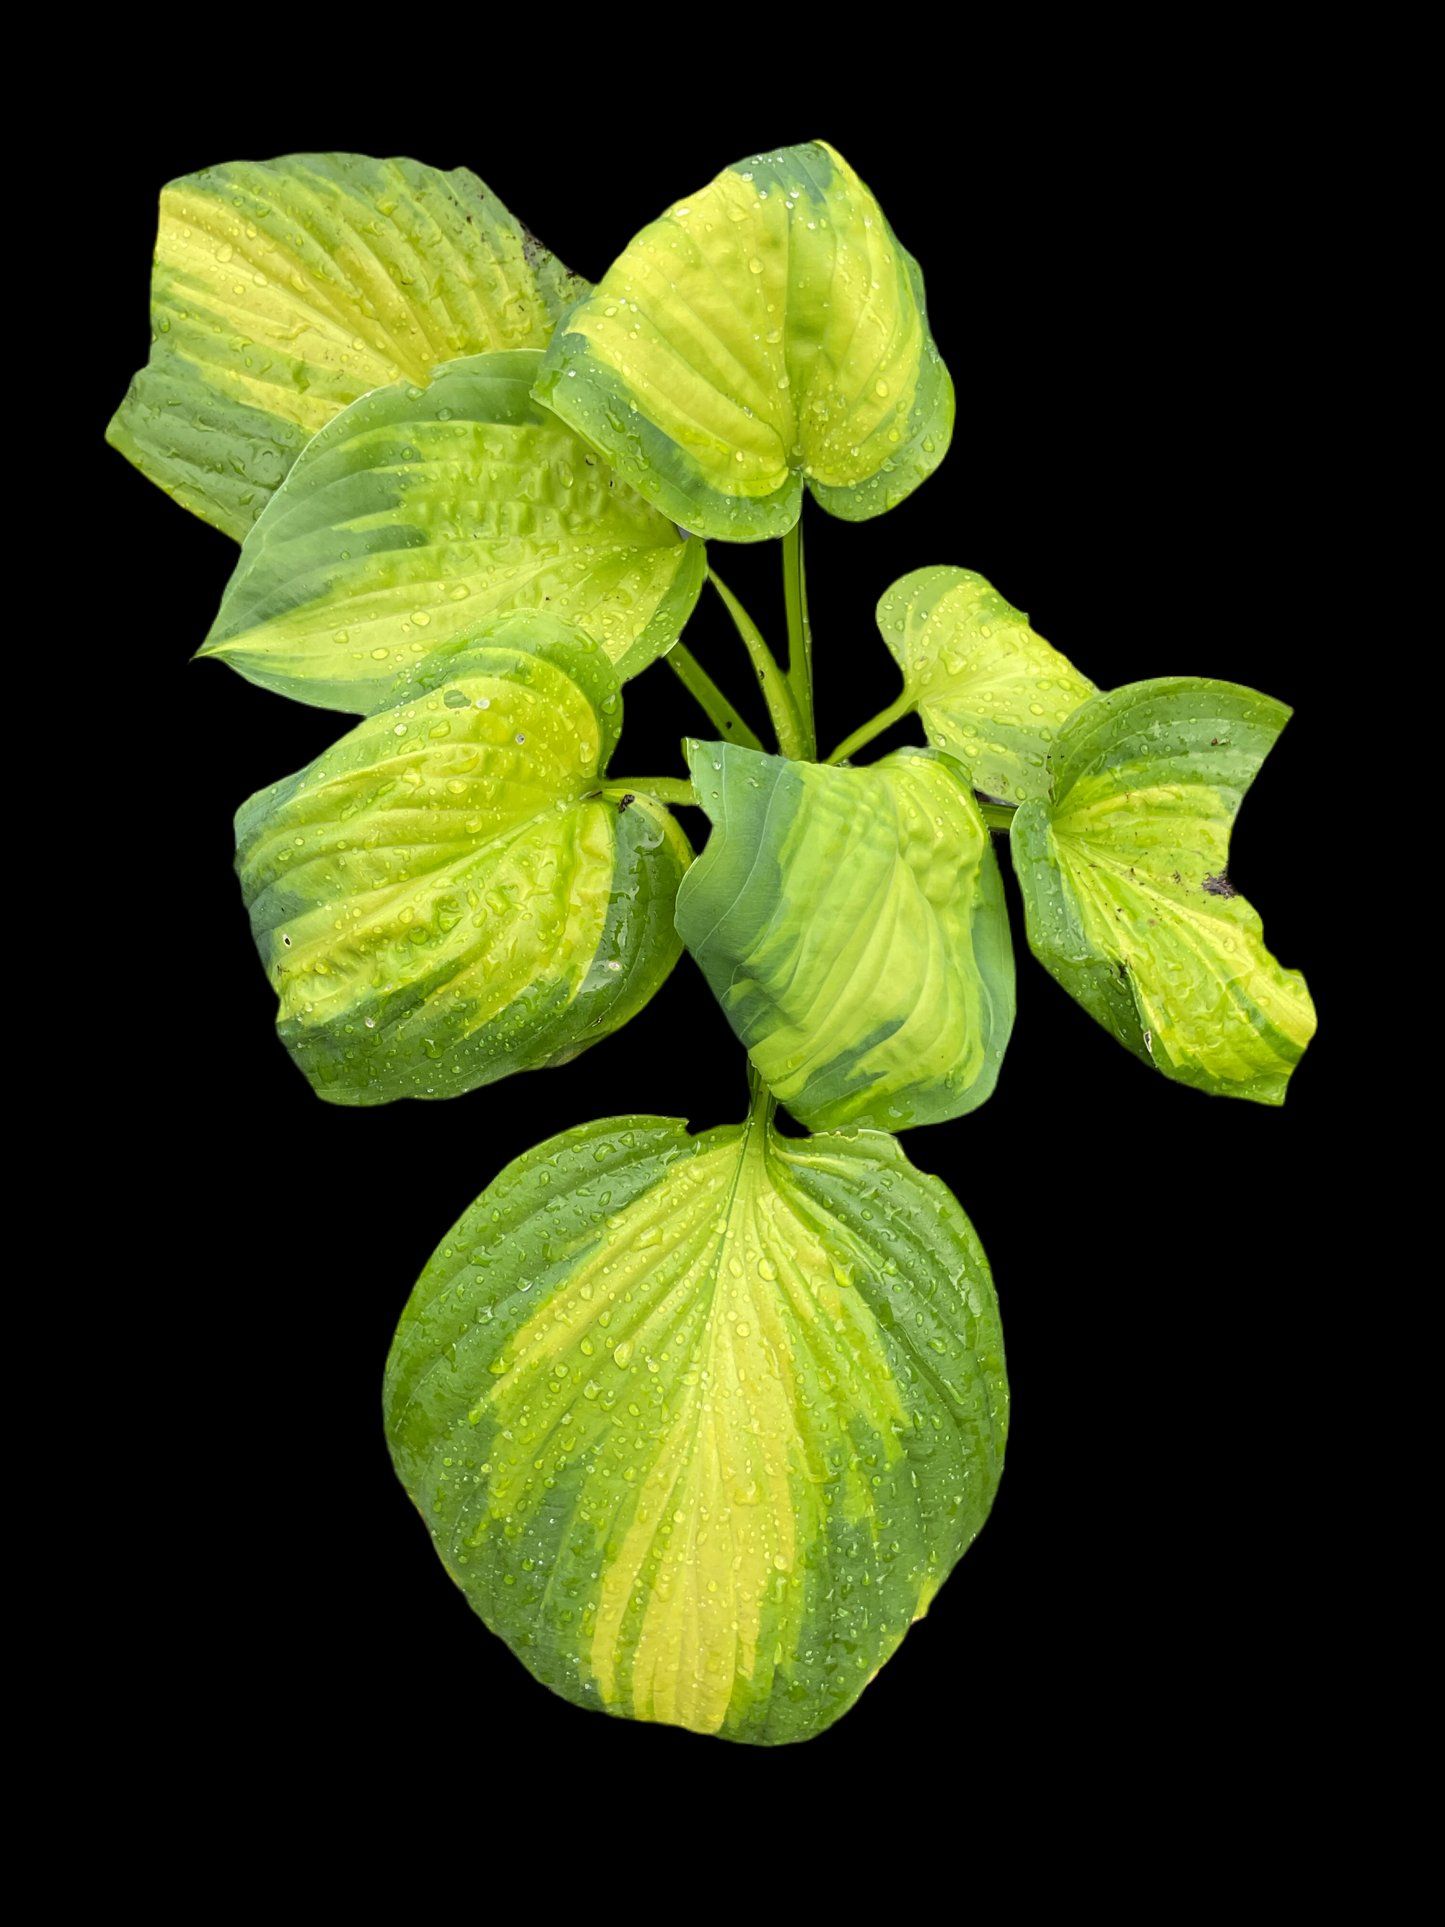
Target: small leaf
(767,330)
(851,923)
(1126,887)
(988,690)
(701,1424)
(285,289)
(452,892)
(418,513)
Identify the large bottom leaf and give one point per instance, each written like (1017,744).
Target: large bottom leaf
(701,1424)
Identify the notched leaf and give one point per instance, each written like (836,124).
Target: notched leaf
(1126,887)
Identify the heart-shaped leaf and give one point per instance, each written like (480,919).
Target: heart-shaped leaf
(285,289)
(418,513)
(851,923)
(766,331)
(987,689)
(1126,887)
(701,1424)
(453,891)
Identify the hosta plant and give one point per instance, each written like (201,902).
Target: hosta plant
(698,1423)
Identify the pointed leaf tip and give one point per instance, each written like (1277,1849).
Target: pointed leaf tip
(418,514)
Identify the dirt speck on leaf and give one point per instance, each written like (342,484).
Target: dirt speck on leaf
(1220,886)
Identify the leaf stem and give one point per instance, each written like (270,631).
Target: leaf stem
(666,789)
(998,816)
(787,725)
(880,722)
(800,636)
(700,685)
(761,1102)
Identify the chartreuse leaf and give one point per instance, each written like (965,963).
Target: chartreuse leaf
(453,891)
(987,689)
(701,1424)
(285,289)
(419,512)
(1126,888)
(851,923)
(766,331)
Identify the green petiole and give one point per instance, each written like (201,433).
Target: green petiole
(700,685)
(800,637)
(876,727)
(665,789)
(782,708)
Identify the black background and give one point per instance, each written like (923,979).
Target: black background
(1141,461)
